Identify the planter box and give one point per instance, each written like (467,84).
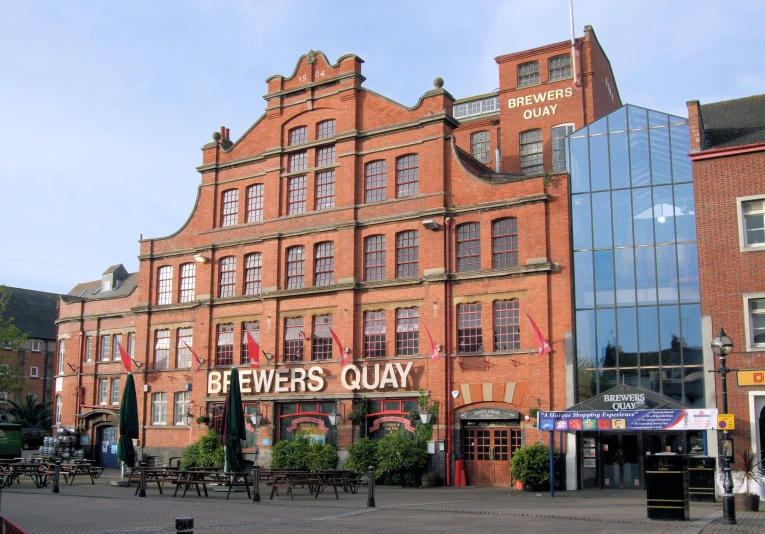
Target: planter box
(746,502)
(430,481)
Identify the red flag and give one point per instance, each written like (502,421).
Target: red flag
(126,360)
(434,352)
(344,356)
(196,358)
(253,350)
(542,345)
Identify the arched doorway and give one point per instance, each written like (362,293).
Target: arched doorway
(489,438)
(106,447)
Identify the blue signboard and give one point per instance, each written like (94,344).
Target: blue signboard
(606,420)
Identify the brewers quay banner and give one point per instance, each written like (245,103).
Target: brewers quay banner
(628,420)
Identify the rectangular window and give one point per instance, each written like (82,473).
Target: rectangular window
(159,408)
(469,247)
(295,267)
(559,134)
(131,344)
(374,334)
(224,352)
(253,265)
(321,342)
(293,339)
(374,258)
(752,223)
(559,67)
(62,356)
(35,345)
(34,371)
(116,348)
(296,195)
(469,333)
(531,151)
(325,129)
(480,147)
(255,203)
(407,254)
(325,190)
(105,347)
(188,281)
(230,211)
(182,350)
(407,176)
(375,178)
(297,161)
(507,331)
(254,329)
(325,156)
(504,235)
(324,264)
(89,349)
(165,285)
(182,400)
(227,277)
(103,391)
(59,406)
(115,390)
(756,323)
(407,331)
(298,135)
(528,74)
(161,349)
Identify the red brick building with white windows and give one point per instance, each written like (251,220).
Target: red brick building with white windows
(728,157)
(341,208)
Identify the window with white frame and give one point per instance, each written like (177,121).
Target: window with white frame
(34,372)
(476,107)
(89,348)
(131,344)
(106,343)
(159,409)
(755,321)
(528,74)
(182,351)
(35,345)
(115,390)
(116,347)
(103,391)
(188,281)
(182,399)
(751,221)
(59,405)
(161,349)
(61,356)
(559,67)
(255,203)
(165,285)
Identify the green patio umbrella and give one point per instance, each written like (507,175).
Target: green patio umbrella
(233,426)
(128,423)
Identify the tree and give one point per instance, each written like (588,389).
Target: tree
(29,413)
(11,373)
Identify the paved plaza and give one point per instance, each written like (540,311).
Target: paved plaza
(83,508)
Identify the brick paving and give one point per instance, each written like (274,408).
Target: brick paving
(105,509)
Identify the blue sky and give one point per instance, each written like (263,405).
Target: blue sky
(104,105)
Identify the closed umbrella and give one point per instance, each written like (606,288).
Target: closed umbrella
(128,423)
(233,426)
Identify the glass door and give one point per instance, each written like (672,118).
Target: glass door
(620,454)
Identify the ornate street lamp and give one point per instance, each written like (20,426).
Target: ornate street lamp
(722,345)
(333,416)
(425,415)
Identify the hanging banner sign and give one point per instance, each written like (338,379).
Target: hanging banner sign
(300,420)
(392,419)
(598,420)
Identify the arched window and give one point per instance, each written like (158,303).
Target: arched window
(504,235)
(59,406)
(324,264)
(469,331)
(293,339)
(407,331)
(253,266)
(374,181)
(407,254)
(227,286)
(165,285)
(407,176)
(61,356)
(298,135)
(325,129)
(374,258)
(374,334)
(188,281)
(469,247)
(230,208)
(528,74)
(255,203)
(295,267)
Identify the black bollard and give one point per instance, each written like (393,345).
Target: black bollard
(256,483)
(56,472)
(371,494)
(184,525)
(142,490)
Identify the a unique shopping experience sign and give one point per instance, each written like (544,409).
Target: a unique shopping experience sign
(607,420)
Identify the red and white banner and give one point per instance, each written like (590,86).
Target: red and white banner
(253,351)
(344,356)
(434,352)
(543,347)
(126,360)
(299,420)
(392,419)
(196,358)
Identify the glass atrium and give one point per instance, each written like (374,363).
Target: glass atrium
(636,275)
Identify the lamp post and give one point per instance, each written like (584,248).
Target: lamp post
(256,418)
(722,345)
(188,417)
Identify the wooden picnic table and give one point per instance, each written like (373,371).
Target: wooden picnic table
(202,478)
(316,482)
(40,474)
(160,475)
(72,470)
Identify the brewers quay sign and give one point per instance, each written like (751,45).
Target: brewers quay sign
(369,377)
(540,99)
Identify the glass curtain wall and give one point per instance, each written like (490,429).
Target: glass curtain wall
(636,274)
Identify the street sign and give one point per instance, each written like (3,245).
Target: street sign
(751,377)
(726,421)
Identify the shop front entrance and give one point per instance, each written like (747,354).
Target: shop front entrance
(487,453)
(621,461)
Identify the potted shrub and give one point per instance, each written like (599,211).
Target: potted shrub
(203,420)
(531,466)
(748,471)
(430,480)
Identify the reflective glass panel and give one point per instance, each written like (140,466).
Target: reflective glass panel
(650,379)
(617,121)
(672,383)
(600,126)
(628,340)
(690,319)
(629,376)
(637,117)
(599,163)
(607,380)
(642,213)
(688,272)
(604,278)
(657,119)
(664,214)
(622,213)
(639,158)
(661,171)
(587,384)
(669,332)
(645,267)
(624,261)
(585,338)
(666,269)
(620,160)
(606,338)
(685,212)
(693,386)
(681,146)
(581,221)
(583,273)
(580,165)
(648,341)
(601,218)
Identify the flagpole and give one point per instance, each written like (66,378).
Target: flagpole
(573,42)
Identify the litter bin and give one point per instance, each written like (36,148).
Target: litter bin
(667,482)
(702,484)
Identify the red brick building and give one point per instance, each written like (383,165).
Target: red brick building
(728,155)
(341,208)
